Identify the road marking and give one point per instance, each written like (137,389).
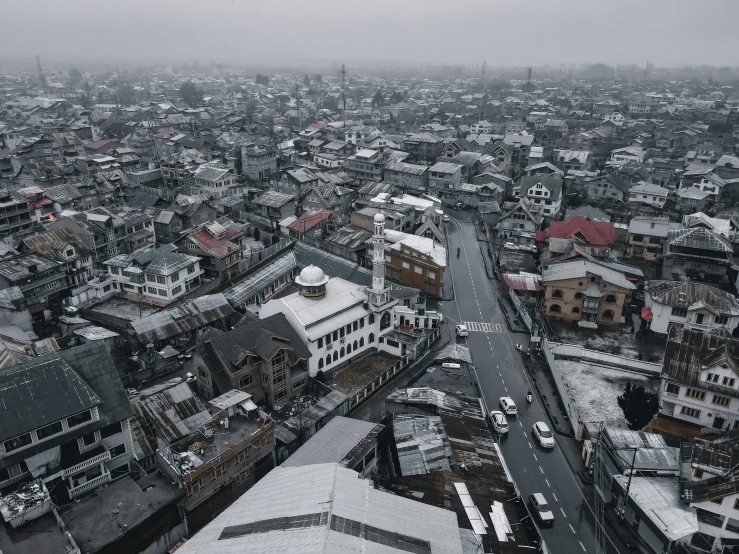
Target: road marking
(548,485)
(535,458)
(571,527)
(563,512)
(581,546)
(521,424)
(525,435)
(542,471)
(555,497)
(531,447)
(482,326)
(506,388)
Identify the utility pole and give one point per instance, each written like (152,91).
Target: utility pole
(343,93)
(599,480)
(483,76)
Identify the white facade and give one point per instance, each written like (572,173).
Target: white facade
(663,316)
(542,197)
(137,282)
(648,193)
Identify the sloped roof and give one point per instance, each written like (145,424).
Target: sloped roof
(690,351)
(52,243)
(687,294)
(700,238)
(595,233)
(310,219)
(580,269)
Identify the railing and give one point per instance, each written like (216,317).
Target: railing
(104,457)
(91,484)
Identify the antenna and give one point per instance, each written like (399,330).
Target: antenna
(484,65)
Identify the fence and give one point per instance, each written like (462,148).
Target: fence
(361,395)
(521,310)
(562,388)
(572,351)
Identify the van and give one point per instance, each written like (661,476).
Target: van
(541,509)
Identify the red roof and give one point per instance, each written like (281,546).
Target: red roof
(316,126)
(99,144)
(218,247)
(310,219)
(39,203)
(596,233)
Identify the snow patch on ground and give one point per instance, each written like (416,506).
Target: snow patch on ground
(611,342)
(594,390)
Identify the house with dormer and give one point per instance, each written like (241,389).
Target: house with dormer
(543,191)
(691,305)
(519,225)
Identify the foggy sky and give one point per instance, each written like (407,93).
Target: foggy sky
(249,32)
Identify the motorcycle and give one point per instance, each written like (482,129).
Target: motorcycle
(457,252)
(519,347)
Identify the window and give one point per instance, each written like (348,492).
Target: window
(578,295)
(328,339)
(218,471)
(361,323)
(177,290)
(79,419)
(719,400)
(371,319)
(406,265)
(372,338)
(690,412)
(418,269)
(320,363)
(722,320)
(161,280)
(242,456)
(89,439)
(679,312)
(118,450)
(608,314)
(736,504)
(111,430)
(694,393)
(709,518)
(243,476)
(336,335)
(432,275)
(355,326)
(49,430)
(361,342)
(195,487)
(18,442)
(191,270)
(202,373)
(343,352)
(575,310)
(336,355)
(556,308)
(611,299)
(672,389)
(320,342)
(246,380)
(341,333)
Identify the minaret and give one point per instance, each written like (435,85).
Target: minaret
(378,294)
(378,258)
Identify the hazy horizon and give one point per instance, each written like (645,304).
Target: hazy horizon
(502,32)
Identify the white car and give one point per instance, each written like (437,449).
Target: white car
(542,433)
(540,507)
(510,246)
(462,331)
(508,405)
(499,422)
(446,218)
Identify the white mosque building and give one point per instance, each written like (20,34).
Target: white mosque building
(339,320)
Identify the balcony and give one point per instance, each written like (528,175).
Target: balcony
(89,485)
(99,458)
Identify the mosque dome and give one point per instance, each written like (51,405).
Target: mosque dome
(312,276)
(379,218)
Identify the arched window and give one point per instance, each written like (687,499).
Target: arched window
(578,295)
(575,310)
(320,363)
(372,338)
(558,294)
(355,344)
(555,308)
(328,359)
(385,320)
(371,319)
(608,314)
(361,342)
(336,355)
(611,299)
(343,352)
(349,348)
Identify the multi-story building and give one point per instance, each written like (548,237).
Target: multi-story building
(264,358)
(648,193)
(424,146)
(220,459)
(275,206)
(366,165)
(519,224)
(15,216)
(42,281)
(214,181)
(697,254)
(407,177)
(258,163)
(586,292)
(444,176)
(64,246)
(217,245)
(691,305)
(700,384)
(544,192)
(157,275)
(65,420)
(647,236)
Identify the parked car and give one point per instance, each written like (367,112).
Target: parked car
(446,218)
(542,433)
(462,331)
(499,422)
(541,509)
(508,405)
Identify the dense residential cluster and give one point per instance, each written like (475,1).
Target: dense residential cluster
(204,274)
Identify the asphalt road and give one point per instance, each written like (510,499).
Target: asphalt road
(500,372)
